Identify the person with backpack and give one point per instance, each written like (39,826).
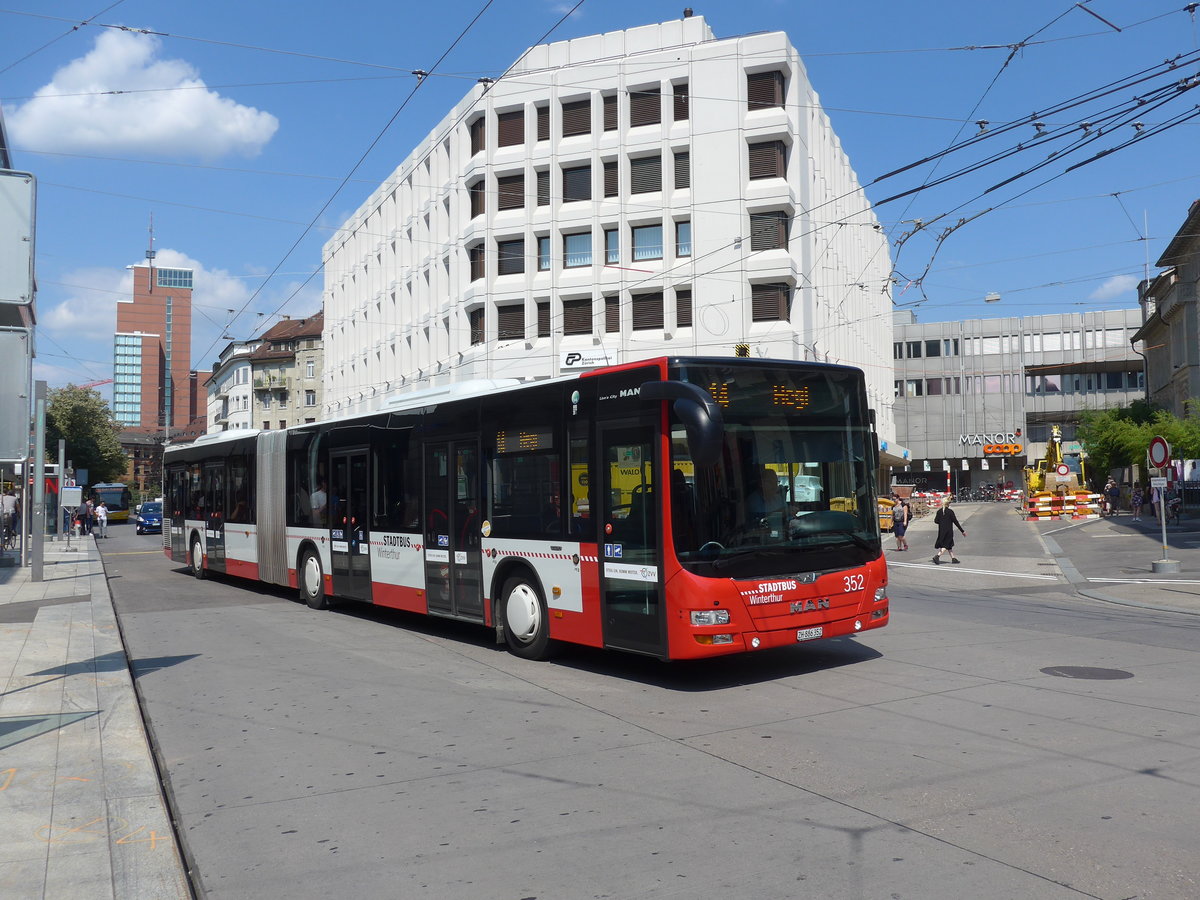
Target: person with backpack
(946,521)
(901,514)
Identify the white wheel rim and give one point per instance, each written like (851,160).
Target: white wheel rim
(197,556)
(312,576)
(522,614)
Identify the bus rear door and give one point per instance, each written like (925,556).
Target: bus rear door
(630,570)
(453,560)
(349,523)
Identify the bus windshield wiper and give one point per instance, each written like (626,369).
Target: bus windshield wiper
(756,553)
(852,537)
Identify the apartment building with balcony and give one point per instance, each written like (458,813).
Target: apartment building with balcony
(272,381)
(1170,332)
(645,192)
(286,376)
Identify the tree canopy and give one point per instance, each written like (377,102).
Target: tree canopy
(82,418)
(1115,438)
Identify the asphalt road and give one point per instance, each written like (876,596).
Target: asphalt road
(1003,737)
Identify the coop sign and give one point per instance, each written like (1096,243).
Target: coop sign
(1001,449)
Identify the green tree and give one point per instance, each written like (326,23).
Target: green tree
(80,417)
(1114,438)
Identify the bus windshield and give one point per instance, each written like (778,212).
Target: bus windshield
(793,489)
(115,496)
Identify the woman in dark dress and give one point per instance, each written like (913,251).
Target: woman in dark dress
(946,522)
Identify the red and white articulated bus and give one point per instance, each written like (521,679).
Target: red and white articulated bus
(676,507)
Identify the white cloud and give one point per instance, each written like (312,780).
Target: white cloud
(185,119)
(1115,287)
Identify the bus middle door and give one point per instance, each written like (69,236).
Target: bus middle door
(349,524)
(453,516)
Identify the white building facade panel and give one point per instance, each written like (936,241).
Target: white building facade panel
(643,205)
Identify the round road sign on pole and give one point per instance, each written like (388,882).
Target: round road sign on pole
(1160,453)
(1063,469)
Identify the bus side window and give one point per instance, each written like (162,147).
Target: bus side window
(580,483)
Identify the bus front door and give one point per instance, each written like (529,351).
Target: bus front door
(453,560)
(349,524)
(630,570)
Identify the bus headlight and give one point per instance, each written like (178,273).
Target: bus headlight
(710,617)
(710,639)
(880,594)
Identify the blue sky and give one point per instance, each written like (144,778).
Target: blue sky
(239,127)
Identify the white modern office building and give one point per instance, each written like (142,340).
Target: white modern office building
(975,399)
(615,197)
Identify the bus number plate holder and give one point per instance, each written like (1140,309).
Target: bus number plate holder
(809,634)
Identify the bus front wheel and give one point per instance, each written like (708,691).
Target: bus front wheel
(312,581)
(526,622)
(196,558)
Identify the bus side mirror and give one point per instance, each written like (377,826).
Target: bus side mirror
(699,413)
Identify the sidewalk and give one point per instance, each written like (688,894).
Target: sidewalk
(1112,580)
(82,814)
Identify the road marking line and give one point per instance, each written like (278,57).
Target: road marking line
(973,571)
(135,552)
(1143,581)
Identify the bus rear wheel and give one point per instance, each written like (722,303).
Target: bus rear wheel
(526,621)
(196,558)
(312,581)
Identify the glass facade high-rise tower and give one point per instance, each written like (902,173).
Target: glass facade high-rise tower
(152,351)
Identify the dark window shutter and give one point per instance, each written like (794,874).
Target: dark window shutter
(764,90)
(683,307)
(683,169)
(612,313)
(610,113)
(510,128)
(510,322)
(645,107)
(645,174)
(681,102)
(543,314)
(770,302)
(510,192)
(612,184)
(543,188)
(478,135)
(577,316)
(577,183)
(577,117)
(478,198)
(767,159)
(768,231)
(475,255)
(510,257)
(543,123)
(475,319)
(647,311)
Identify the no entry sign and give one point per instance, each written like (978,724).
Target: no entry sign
(1160,453)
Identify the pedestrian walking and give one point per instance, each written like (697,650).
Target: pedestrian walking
(946,521)
(901,515)
(1136,500)
(102,518)
(1112,496)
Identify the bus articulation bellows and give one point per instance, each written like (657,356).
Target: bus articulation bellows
(677,507)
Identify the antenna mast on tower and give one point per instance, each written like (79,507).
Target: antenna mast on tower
(150,253)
